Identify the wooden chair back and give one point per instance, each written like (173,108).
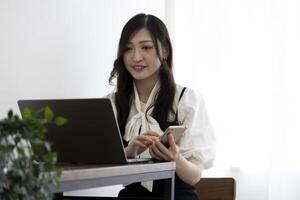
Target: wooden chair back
(216,188)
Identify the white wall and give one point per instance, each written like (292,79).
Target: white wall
(243,56)
(62,48)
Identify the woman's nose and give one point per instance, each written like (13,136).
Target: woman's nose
(137,56)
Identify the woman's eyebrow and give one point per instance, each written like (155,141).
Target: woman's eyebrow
(143,41)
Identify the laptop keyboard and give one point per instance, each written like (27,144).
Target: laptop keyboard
(139,160)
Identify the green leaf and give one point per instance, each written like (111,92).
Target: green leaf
(42,130)
(48,114)
(10,114)
(33,167)
(26,113)
(51,157)
(59,121)
(47,146)
(7,148)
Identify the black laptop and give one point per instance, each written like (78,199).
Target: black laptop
(91,135)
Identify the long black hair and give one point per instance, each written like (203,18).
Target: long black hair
(163,104)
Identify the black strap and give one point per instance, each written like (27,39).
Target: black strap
(181,94)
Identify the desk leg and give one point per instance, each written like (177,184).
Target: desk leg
(169,188)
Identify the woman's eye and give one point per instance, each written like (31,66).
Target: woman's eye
(128,49)
(147,47)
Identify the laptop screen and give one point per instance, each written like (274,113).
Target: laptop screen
(91,134)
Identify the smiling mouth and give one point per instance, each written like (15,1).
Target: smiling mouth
(138,67)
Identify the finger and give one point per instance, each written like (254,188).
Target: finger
(153,138)
(153,154)
(173,149)
(172,143)
(157,151)
(138,143)
(144,139)
(162,148)
(151,133)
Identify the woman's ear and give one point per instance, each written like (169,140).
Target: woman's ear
(165,52)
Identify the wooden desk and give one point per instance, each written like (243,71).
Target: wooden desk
(90,176)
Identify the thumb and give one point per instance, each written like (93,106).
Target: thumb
(171,142)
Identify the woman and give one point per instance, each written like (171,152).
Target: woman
(147,101)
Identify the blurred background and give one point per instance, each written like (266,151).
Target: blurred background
(243,56)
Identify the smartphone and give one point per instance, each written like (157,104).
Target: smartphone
(177,132)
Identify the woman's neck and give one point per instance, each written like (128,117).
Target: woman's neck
(144,88)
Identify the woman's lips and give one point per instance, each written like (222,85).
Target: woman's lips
(138,67)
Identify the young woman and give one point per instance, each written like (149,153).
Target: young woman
(147,101)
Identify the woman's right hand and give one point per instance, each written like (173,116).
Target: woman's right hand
(140,143)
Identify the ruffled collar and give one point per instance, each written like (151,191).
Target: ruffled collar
(139,121)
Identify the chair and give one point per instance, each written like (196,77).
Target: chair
(216,188)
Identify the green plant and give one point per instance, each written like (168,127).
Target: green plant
(27,163)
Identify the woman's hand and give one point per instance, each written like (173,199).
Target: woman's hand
(140,143)
(160,152)
(186,170)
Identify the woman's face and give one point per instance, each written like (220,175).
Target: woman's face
(140,57)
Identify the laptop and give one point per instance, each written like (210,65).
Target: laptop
(91,134)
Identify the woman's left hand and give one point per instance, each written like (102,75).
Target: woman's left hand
(160,152)
(186,170)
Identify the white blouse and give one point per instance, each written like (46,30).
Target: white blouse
(198,143)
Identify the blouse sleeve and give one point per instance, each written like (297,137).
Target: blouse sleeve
(198,143)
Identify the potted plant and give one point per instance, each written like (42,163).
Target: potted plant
(27,163)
